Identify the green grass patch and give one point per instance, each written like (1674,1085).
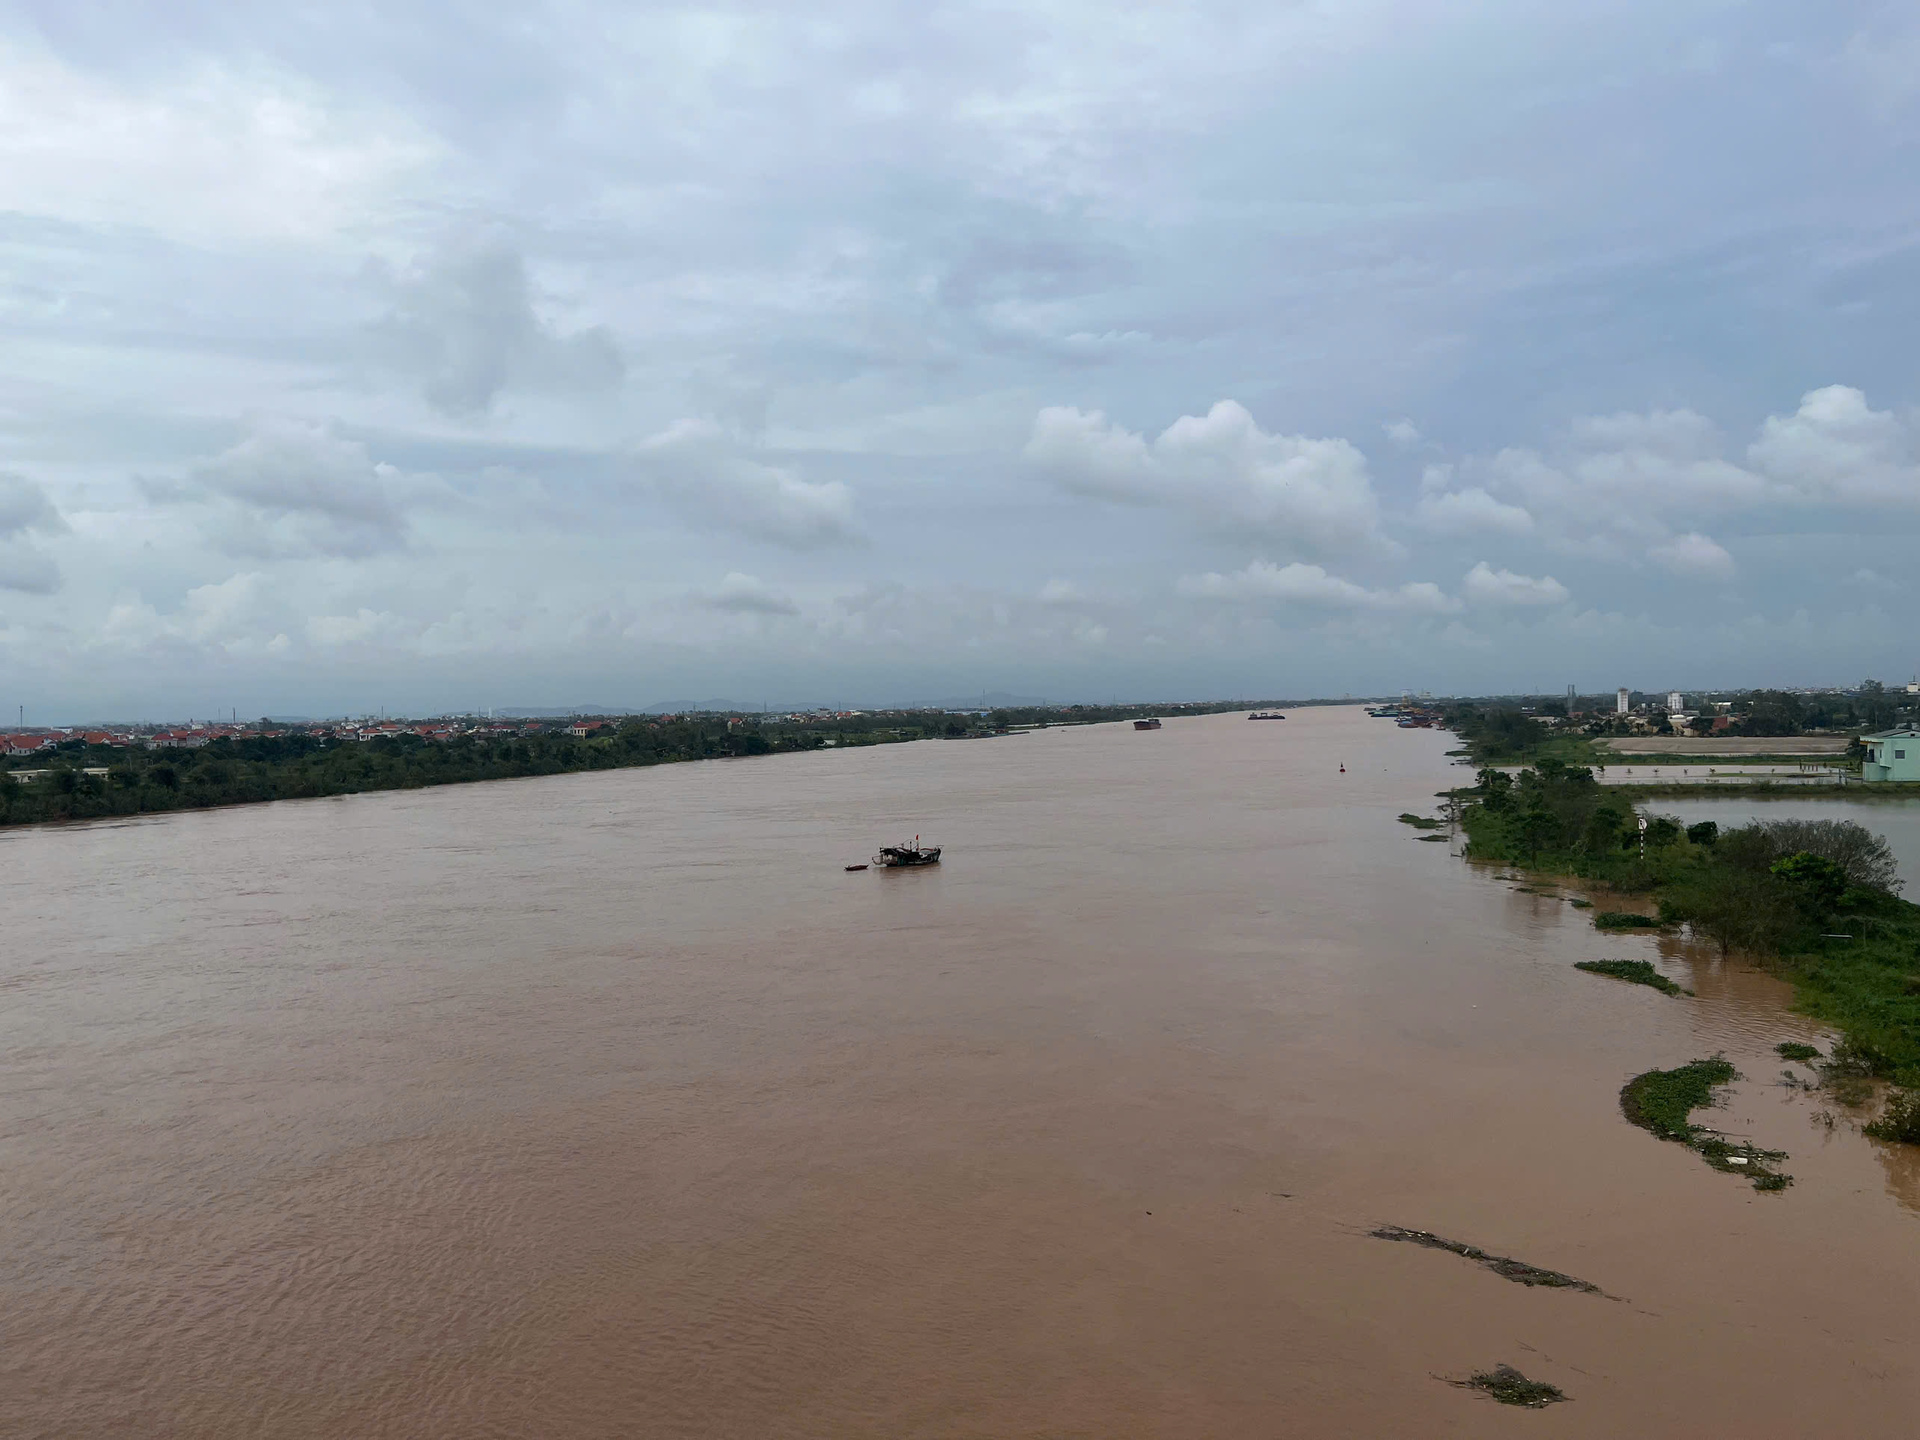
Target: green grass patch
(1662,1102)
(1510,1387)
(1624,920)
(1636,972)
(1420,822)
(1795,1050)
(1581,904)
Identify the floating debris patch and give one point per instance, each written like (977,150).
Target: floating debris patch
(1505,1266)
(1510,1387)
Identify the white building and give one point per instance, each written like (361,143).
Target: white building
(1622,701)
(1676,702)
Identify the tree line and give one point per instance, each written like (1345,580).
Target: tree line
(301,764)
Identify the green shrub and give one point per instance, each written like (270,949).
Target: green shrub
(1900,1120)
(1624,920)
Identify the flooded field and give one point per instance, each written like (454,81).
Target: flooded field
(611,1105)
(1897,820)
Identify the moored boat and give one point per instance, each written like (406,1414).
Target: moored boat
(898,857)
(1146,724)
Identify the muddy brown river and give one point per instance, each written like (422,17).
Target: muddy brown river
(611,1105)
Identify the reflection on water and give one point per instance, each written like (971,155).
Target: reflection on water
(611,1104)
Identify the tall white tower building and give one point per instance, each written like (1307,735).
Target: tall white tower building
(1622,701)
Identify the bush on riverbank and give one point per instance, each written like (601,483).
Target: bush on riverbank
(1624,920)
(1817,897)
(1900,1120)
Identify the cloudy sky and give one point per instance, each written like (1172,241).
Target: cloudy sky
(438,356)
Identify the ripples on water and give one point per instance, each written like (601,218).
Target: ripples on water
(611,1105)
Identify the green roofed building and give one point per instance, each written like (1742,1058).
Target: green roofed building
(1892,755)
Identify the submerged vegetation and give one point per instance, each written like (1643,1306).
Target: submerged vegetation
(1900,1120)
(1637,972)
(1505,1266)
(1624,920)
(1420,822)
(1795,1050)
(1662,1102)
(1818,898)
(1510,1387)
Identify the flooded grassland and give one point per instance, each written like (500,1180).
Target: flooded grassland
(609,1104)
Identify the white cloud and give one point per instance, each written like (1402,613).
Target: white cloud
(1484,585)
(292,488)
(238,616)
(698,467)
(1302,584)
(740,594)
(1313,495)
(1834,448)
(1403,433)
(467,324)
(1629,484)
(1060,592)
(212,153)
(1471,512)
(1693,554)
(1871,579)
(363,625)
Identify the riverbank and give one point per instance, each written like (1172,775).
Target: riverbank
(81,781)
(1810,900)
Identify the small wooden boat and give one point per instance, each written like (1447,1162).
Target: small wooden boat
(1146,724)
(856,867)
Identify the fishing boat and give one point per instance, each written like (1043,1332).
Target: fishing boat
(1146,724)
(897,857)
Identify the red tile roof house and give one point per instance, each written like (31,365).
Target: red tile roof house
(29,744)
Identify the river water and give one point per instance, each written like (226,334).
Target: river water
(611,1105)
